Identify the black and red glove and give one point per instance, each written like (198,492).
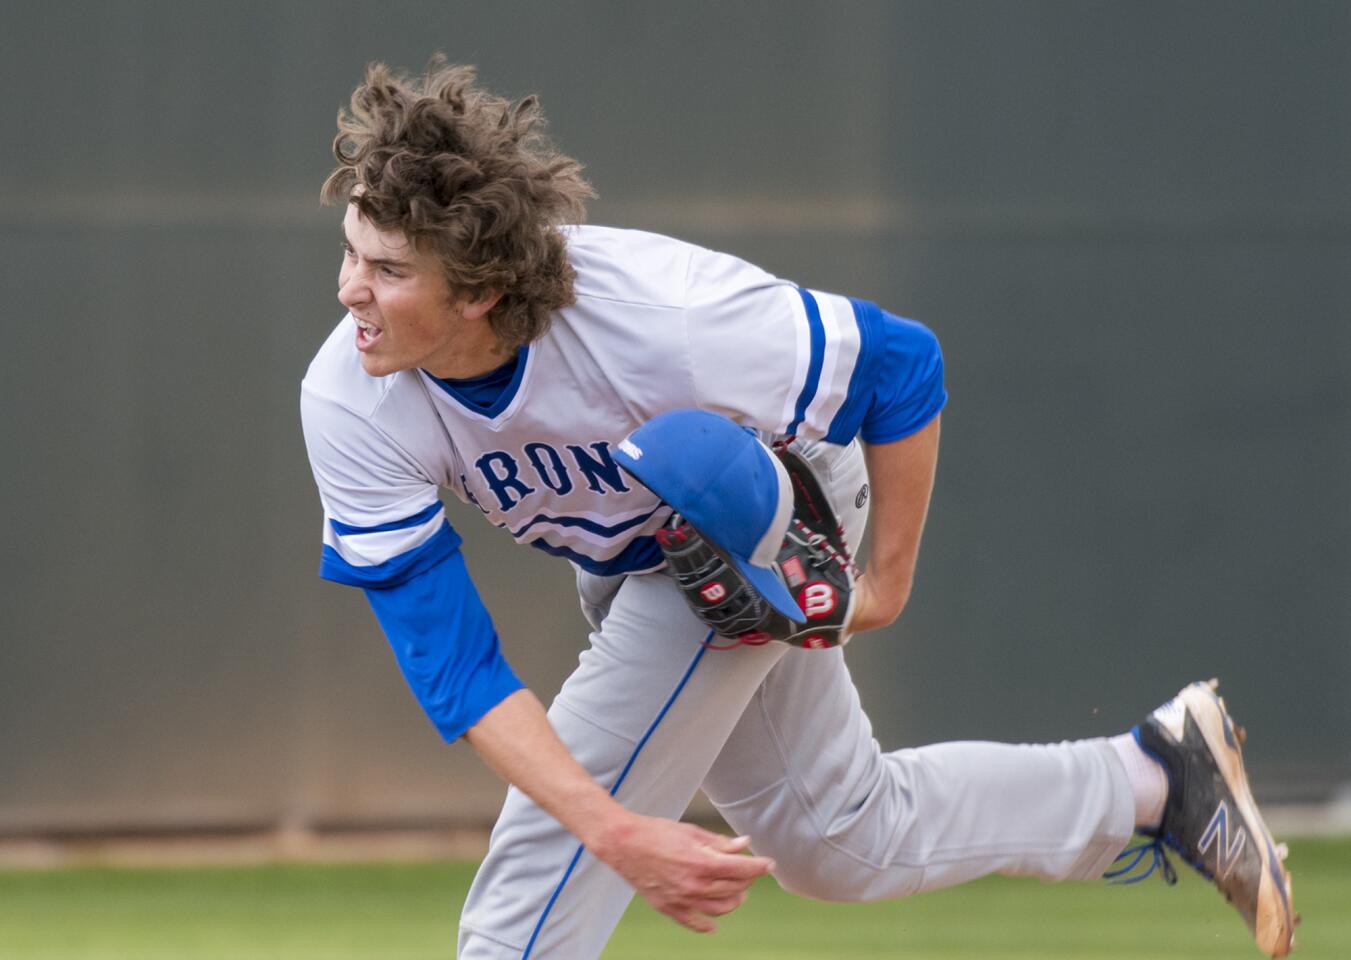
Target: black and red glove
(814,563)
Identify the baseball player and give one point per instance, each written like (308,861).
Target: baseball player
(610,397)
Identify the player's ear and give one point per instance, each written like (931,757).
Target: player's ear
(476,305)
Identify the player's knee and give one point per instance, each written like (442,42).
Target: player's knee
(824,873)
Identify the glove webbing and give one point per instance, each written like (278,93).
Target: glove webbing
(726,602)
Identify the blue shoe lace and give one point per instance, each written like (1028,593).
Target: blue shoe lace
(1134,855)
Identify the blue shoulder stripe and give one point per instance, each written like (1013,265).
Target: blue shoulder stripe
(395,570)
(416,520)
(818,348)
(863,378)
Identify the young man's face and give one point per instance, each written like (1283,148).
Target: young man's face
(405,312)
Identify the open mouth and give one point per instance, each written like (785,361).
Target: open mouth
(366,335)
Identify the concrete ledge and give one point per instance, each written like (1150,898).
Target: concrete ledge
(342,844)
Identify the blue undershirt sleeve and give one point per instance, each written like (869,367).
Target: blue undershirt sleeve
(447,648)
(907,389)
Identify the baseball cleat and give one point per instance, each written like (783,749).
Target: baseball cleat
(1210,818)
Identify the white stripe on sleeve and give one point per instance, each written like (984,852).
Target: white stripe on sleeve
(841,354)
(370,549)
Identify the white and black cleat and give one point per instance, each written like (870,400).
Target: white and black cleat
(1210,818)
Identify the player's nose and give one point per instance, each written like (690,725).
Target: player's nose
(353,291)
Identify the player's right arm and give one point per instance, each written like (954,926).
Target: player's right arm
(385,531)
(448,651)
(683,871)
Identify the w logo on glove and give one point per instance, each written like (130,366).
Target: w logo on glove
(817,600)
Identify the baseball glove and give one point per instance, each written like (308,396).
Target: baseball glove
(814,562)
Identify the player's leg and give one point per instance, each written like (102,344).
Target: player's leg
(648,703)
(845,821)
(803,776)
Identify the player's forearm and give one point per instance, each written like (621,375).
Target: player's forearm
(517,741)
(901,475)
(686,872)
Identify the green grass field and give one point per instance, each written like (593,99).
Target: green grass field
(407,911)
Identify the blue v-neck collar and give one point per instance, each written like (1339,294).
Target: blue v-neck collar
(470,393)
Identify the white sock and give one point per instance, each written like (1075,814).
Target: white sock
(1149,781)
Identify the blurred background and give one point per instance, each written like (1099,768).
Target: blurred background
(1129,224)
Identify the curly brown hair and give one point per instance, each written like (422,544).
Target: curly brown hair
(469,176)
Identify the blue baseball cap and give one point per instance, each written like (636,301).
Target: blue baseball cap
(724,481)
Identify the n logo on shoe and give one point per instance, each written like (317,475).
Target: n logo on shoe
(1227,853)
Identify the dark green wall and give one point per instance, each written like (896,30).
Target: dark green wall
(1130,224)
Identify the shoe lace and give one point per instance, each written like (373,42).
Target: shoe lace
(1154,848)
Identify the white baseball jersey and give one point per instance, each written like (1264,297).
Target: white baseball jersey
(657,324)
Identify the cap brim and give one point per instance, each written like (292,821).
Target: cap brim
(767,582)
